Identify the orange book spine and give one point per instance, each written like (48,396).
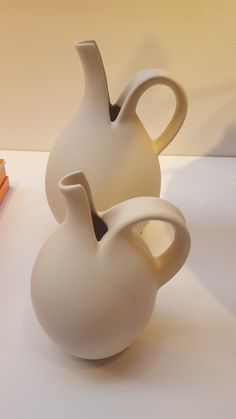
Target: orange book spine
(4,188)
(2,175)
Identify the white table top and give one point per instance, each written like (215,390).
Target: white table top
(182,366)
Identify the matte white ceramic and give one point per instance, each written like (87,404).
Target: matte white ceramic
(94,282)
(109,142)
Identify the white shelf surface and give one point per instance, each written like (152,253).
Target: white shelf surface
(184,363)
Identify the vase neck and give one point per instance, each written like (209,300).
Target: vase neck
(96,96)
(79,206)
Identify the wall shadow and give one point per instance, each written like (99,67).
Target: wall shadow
(222,127)
(212,227)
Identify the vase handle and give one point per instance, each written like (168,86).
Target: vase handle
(124,216)
(143,80)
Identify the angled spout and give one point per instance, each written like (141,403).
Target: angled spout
(79,205)
(81,212)
(96,96)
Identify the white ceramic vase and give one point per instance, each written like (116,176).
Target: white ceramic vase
(109,142)
(94,282)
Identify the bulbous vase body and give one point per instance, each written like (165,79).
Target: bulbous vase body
(118,159)
(87,300)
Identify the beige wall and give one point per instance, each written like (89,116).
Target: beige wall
(41,77)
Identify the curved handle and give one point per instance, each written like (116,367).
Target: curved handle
(129,98)
(123,217)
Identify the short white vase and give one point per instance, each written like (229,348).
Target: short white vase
(94,282)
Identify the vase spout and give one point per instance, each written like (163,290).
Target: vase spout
(96,96)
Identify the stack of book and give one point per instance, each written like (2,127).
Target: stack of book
(4,181)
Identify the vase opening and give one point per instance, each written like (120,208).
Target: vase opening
(100,228)
(86,42)
(114,111)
